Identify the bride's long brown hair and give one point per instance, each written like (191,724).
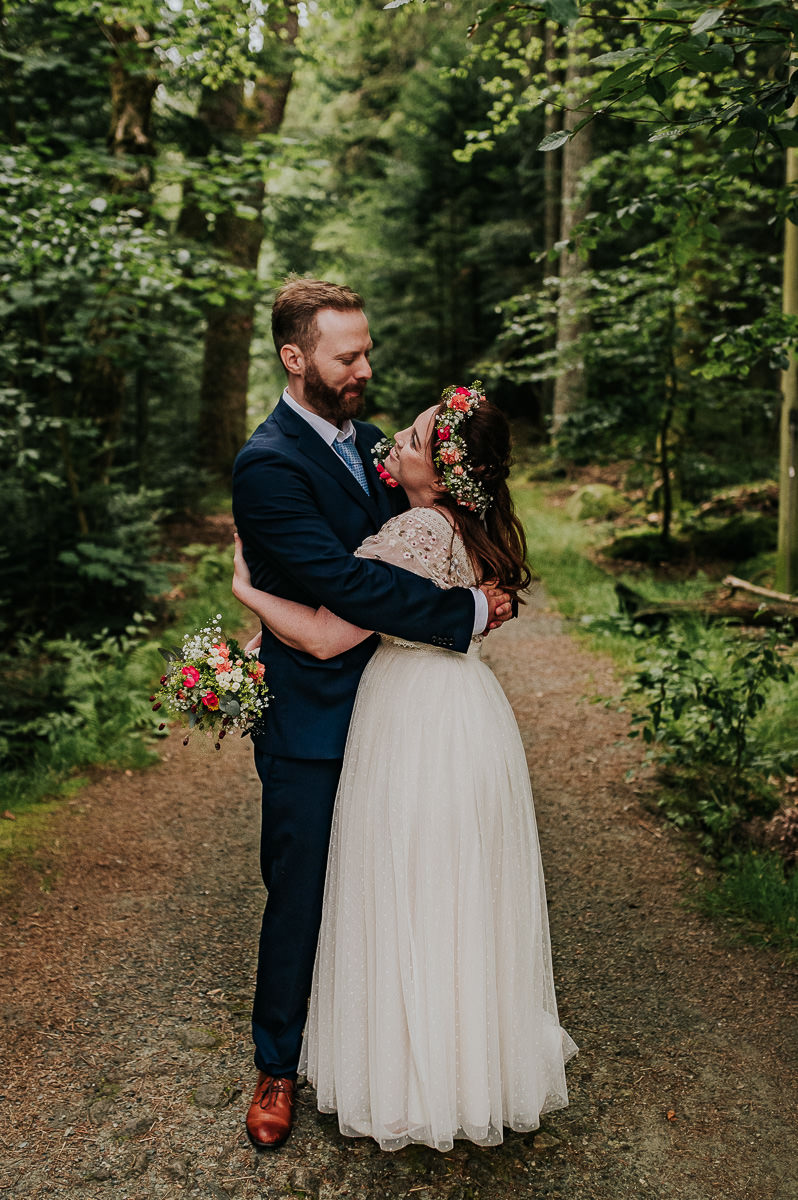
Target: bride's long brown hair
(496,544)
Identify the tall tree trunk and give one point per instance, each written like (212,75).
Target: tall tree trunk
(572,325)
(132,85)
(551,191)
(787,555)
(231,116)
(551,162)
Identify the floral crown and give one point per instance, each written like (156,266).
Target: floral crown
(449,451)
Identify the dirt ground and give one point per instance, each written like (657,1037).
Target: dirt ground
(128,959)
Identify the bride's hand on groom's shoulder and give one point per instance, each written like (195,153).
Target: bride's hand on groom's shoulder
(500,604)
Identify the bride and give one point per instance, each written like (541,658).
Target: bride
(432,1014)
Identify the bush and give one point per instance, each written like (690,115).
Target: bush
(700,700)
(71,703)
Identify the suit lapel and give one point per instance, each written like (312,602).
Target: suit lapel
(388,500)
(309,443)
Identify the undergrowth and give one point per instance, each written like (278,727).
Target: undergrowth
(76,703)
(698,693)
(718,710)
(761,896)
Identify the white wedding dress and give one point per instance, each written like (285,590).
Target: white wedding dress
(433,1014)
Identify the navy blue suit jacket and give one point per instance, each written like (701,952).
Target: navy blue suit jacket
(301,514)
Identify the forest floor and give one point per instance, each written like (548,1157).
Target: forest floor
(128,951)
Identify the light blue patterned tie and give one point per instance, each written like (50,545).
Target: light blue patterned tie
(345,449)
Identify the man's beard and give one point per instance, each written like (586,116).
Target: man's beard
(329,402)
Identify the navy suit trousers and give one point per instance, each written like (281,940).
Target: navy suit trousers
(298,800)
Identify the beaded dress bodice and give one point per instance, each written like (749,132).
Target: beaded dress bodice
(422,540)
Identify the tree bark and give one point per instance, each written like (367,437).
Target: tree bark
(551,192)
(787,553)
(231,116)
(551,161)
(133,86)
(572,323)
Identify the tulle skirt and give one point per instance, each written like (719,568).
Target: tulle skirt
(433,1014)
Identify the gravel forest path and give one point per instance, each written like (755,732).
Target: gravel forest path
(128,957)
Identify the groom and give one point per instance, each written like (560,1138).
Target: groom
(305,495)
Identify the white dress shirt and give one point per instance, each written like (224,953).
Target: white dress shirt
(331,433)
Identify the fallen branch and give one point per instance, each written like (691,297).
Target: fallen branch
(742,610)
(741,585)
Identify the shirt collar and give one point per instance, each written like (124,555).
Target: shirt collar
(325,429)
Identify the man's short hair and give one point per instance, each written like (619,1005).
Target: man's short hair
(295,307)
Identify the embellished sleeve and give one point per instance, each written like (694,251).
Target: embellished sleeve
(422,541)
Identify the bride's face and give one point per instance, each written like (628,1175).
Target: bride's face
(410,461)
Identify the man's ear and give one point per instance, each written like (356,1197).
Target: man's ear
(292,359)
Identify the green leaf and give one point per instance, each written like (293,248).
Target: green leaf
(717,57)
(786,136)
(656,89)
(487,14)
(553,141)
(668,131)
(564,11)
(230,707)
(753,118)
(690,54)
(618,56)
(618,76)
(707,20)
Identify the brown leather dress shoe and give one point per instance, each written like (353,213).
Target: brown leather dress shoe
(271,1113)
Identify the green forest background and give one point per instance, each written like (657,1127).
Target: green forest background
(588,206)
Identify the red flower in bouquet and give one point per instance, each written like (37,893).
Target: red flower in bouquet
(213,685)
(191,676)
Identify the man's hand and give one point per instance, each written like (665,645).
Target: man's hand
(500,607)
(253,643)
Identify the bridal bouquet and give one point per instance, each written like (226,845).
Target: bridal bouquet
(213,683)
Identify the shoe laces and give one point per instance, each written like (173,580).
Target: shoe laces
(276,1086)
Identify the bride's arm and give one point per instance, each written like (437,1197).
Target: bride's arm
(317,631)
